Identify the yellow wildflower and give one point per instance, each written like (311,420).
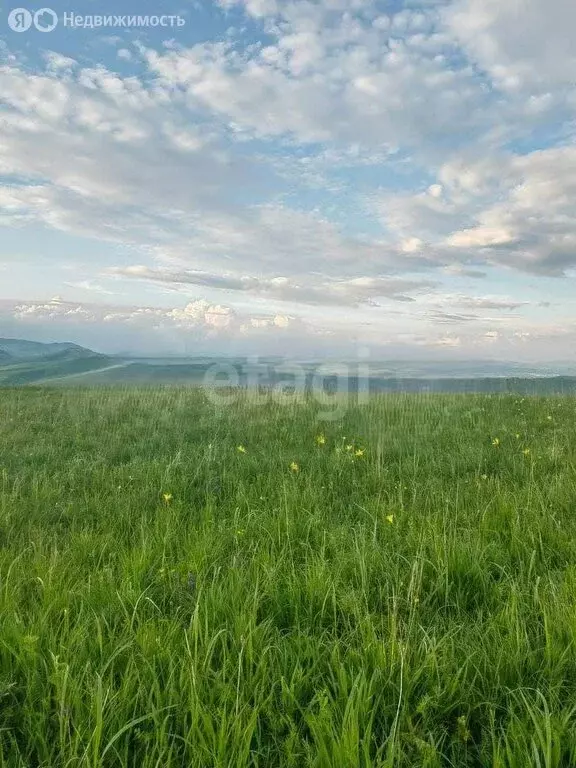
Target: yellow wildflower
(390,518)
(349,447)
(167,497)
(294,467)
(496,442)
(241,449)
(359,452)
(320,440)
(526,451)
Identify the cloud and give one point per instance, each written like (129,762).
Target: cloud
(198,315)
(315,291)
(329,76)
(101,154)
(520,217)
(533,226)
(520,43)
(486,302)
(89,285)
(201,327)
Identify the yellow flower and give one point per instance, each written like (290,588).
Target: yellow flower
(549,418)
(526,451)
(359,452)
(167,497)
(349,447)
(241,449)
(320,440)
(390,518)
(496,442)
(517,436)
(294,467)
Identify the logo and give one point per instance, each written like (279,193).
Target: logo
(21,19)
(45,20)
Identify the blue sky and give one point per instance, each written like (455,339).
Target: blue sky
(293,176)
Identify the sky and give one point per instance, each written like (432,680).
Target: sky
(293,177)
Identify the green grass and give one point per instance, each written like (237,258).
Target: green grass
(35,371)
(412,606)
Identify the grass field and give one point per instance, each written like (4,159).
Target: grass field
(182,586)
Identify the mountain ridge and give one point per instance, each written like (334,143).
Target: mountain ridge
(25,363)
(24,350)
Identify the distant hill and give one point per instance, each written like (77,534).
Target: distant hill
(32,362)
(18,350)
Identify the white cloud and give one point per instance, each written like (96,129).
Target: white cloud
(533,226)
(521,43)
(344,82)
(516,213)
(197,315)
(314,290)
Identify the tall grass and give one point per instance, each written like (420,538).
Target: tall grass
(406,597)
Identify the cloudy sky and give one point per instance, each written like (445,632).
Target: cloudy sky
(294,176)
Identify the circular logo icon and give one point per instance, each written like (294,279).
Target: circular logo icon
(20,20)
(45,20)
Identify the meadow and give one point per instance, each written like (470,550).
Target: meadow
(183,585)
